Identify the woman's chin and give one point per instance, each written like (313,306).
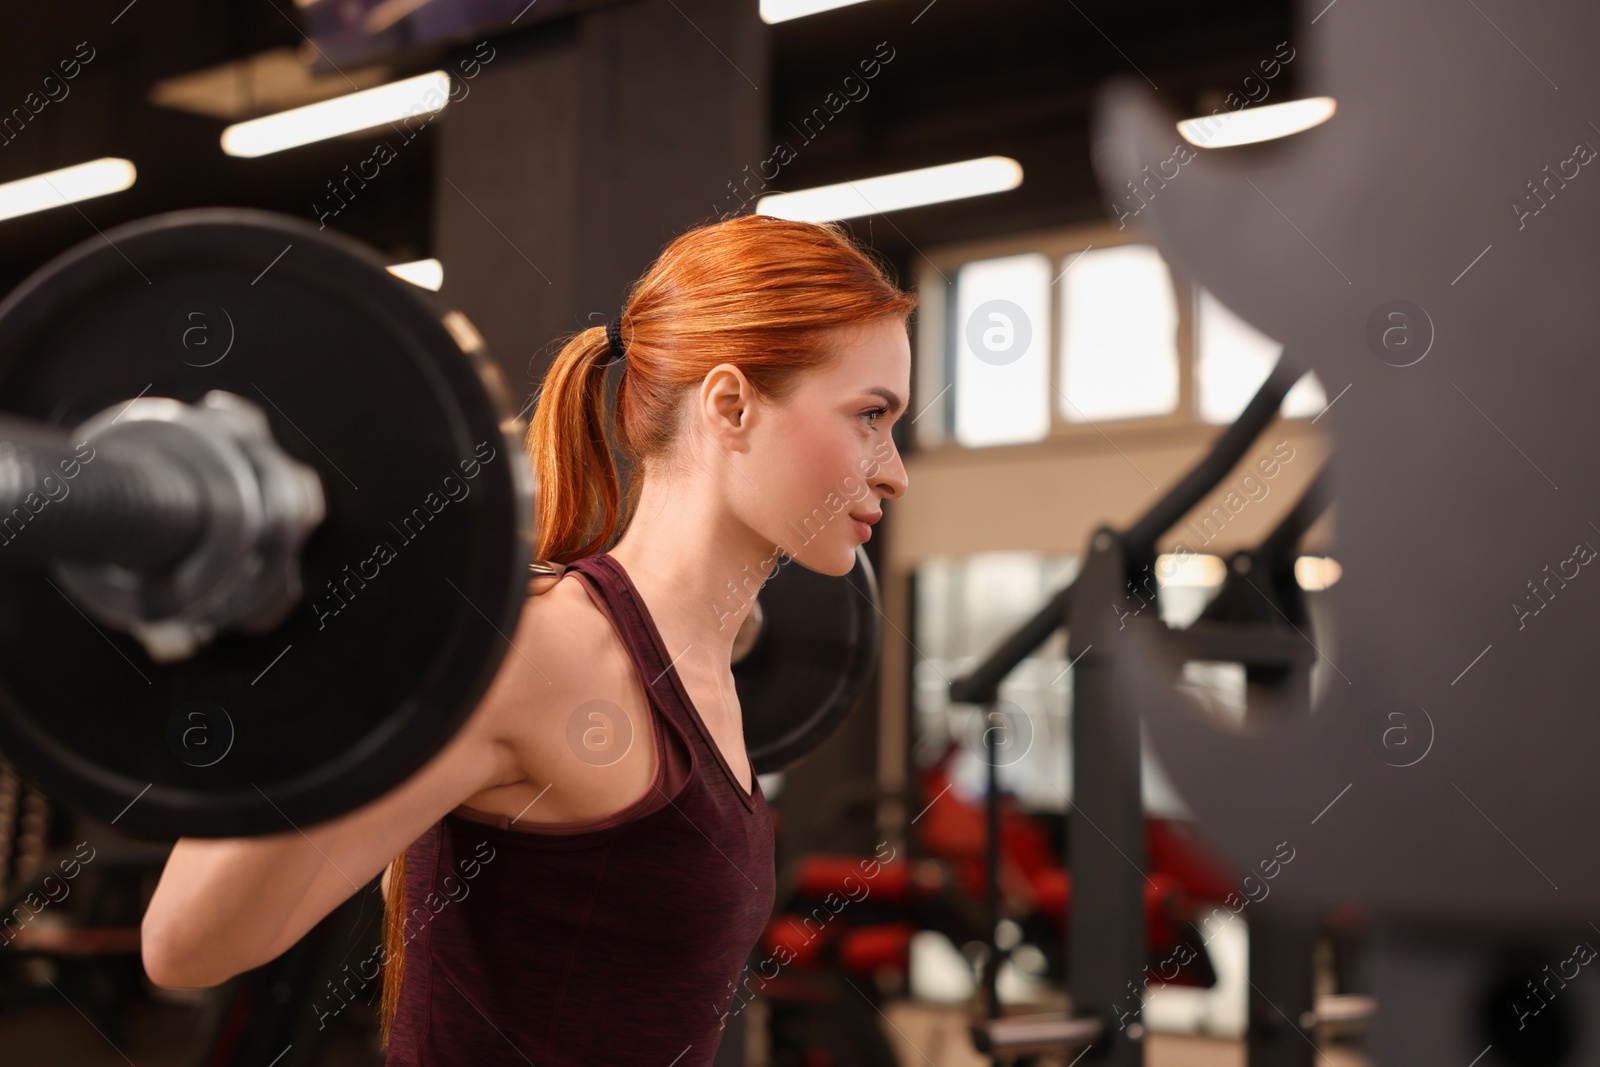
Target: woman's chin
(835,562)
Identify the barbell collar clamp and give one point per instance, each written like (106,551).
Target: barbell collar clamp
(193,524)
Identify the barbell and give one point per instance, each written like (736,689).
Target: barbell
(265,525)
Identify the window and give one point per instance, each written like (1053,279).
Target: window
(1001,379)
(963,608)
(1119,335)
(1024,339)
(1233,358)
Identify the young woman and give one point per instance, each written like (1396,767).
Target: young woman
(578,877)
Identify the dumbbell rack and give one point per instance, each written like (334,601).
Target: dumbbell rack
(1106,934)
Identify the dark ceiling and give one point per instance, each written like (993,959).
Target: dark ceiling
(968,78)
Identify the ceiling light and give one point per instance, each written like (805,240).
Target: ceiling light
(890,192)
(1248,125)
(57,187)
(351,113)
(784,10)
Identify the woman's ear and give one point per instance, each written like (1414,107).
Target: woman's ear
(729,396)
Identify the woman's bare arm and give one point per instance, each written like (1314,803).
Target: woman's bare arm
(226,905)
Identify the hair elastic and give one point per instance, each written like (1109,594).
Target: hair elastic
(614,338)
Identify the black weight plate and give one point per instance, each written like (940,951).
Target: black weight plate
(410,581)
(811,663)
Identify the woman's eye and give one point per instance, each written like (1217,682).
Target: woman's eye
(874,415)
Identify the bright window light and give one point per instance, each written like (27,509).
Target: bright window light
(60,187)
(428,273)
(1251,124)
(1119,335)
(784,10)
(1192,568)
(1234,358)
(1002,391)
(890,192)
(353,112)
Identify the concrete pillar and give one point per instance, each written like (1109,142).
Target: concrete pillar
(583,147)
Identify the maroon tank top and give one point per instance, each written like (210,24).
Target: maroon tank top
(612,941)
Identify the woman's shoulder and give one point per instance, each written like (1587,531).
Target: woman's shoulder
(561,624)
(564,645)
(563,658)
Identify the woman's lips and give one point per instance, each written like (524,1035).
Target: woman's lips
(863,524)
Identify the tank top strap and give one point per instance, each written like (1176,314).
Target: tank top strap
(602,574)
(649,651)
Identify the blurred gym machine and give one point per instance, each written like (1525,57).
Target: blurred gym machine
(1257,619)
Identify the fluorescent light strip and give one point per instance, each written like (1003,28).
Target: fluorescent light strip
(891,192)
(350,113)
(57,188)
(1250,125)
(427,273)
(784,10)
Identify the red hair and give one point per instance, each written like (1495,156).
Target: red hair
(755,291)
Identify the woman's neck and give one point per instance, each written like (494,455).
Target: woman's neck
(697,567)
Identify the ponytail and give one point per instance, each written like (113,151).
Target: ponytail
(580,493)
(394,946)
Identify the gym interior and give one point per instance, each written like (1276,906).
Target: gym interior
(1172,715)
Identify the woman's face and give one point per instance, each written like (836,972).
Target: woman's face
(822,461)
